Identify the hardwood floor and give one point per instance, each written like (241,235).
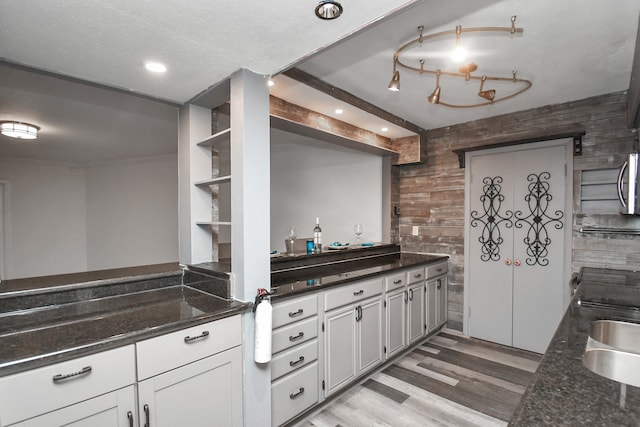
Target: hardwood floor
(449,380)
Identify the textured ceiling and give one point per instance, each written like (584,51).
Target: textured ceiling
(570,49)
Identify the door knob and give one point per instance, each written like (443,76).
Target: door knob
(516,263)
(507,261)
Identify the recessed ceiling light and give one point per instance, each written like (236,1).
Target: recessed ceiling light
(339,111)
(328,9)
(155,67)
(270,83)
(19,130)
(385,129)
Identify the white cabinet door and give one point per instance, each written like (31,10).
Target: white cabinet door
(369,336)
(431,305)
(207,392)
(340,347)
(441,297)
(395,323)
(415,312)
(115,409)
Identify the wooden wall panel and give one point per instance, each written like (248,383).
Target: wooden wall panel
(431,195)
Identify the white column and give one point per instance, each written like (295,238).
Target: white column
(250,233)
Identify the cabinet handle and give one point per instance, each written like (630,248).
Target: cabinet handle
(358,313)
(60,377)
(397,282)
(296,394)
(360,292)
(146,415)
(203,335)
(297,337)
(296,362)
(516,263)
(507,261)
(410,294)
(439,269)
(130,418)
(439,281)
(296,313)
(406,297)
(417,276)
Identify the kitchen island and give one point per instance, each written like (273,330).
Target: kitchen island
(564,392)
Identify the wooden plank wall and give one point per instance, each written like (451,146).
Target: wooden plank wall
(431,195)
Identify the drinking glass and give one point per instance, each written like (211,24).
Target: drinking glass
(358,230)
(291,232)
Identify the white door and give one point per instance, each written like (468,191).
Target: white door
(516,228)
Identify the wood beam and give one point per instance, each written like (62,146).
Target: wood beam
(342,95)
(284,110)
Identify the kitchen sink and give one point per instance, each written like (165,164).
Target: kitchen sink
(623,336)
(617,365)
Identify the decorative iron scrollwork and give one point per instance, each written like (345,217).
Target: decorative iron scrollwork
(491,237)
(537,239)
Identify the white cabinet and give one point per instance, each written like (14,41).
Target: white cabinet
(114,409)
(203,393)
(181,376)
(436,296)
(353,332)
(396,314)
(294,366)
(415,305)
(26,396)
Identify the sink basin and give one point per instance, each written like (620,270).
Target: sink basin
(616,365)
(623,336)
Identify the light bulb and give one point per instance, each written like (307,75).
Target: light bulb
(459,54)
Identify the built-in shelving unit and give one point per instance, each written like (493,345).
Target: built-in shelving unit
(598,191)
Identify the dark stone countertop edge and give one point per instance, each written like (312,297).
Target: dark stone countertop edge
(563,391)
(13,367)
(406,261)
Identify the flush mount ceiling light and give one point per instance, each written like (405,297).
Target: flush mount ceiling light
(489,96)
(328,10)
(155,67)
(19,130)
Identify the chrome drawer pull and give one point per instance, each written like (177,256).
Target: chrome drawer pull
(397,282)
(360,292)
(296,313)
(297,394)
(60,377)
(296,362)
(146,415)
(439,283)
(297,337)
(189,339)
(417,276)
(410,294)
(130,418)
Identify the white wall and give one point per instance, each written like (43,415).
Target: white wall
(46,225)
(132,215)
(311,178)
(64,218)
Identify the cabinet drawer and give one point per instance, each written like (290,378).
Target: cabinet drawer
(416,275)
(436,270)
(347,294)
(31,393)
(160,354)
(293,394)
(291,311)
(297,333)
(395,281)
(295,358)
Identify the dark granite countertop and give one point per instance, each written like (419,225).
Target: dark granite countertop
(293,282)
(40,328)
(564,392)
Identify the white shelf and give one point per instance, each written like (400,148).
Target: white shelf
(212,181)
(216,138)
